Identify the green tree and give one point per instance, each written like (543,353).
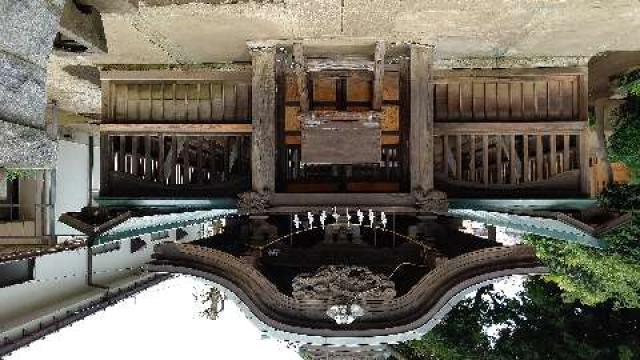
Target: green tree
(592,276)
(538,324)
(624,144)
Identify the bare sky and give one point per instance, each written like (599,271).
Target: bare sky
(159,323)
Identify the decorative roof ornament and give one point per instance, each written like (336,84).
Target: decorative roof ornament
(345,314)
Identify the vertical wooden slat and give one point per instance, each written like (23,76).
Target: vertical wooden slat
(528,100)
(478,101)
(553,156)
(453,98)
(525,158)
(583,97)
(472,162)
(566,154)
(135,158)
(442,102)
(173,174)
(186,165)
(147,158)
(445,156)
(229,101)
(161,159)
(504,101)
(105,86)
(212,160)
(499,166)
(466,100)
(378,76)
(539,158)
(301,76)
(515,93)
(243,91)
(513,167)
(459,157)
(162,102)
(566,103)
(554,100)
(491,101)
(541,100)
(485,160)
(217,99)
(106,162)
(200,162)
(121,152)
(199,116)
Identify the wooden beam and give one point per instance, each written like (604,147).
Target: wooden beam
(340,64)
(539,158)
(566,153)
(105,86)
(378,76)
(519,73)
(106,162)
(147,158)
(121,154)
(300,69)
(459,157)
(553,157)
(161,159)
(472,161)
(421,129)
(175,75)
(513,168)
(525,158)
(135,157)
(173,128)
(485,160)
(499,166)
(509,128)
(263,108)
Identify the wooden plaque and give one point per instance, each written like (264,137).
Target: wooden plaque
(341,142)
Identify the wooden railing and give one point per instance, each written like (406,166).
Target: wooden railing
(382,177)
(174,165)
(506,156)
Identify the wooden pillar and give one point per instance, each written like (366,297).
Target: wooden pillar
(421,138)
(378,76)
(263,97)
(583,140)
(301,77)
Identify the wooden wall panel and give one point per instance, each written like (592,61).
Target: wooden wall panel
(507,98)
(491,102)
(453,97)
(504,101)
(391,86)
(515,95)
(179,101)
(478,101)
(466,101)
(441,94)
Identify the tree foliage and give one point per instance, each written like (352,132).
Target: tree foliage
(538,324)
(620,196)
(624,144)
(593,276)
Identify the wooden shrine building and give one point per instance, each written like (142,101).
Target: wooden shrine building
(311,125)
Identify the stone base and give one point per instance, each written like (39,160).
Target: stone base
(431,202)
(3,185)
(253,203)
(26,147)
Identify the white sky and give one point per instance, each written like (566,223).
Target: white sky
(159,323)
